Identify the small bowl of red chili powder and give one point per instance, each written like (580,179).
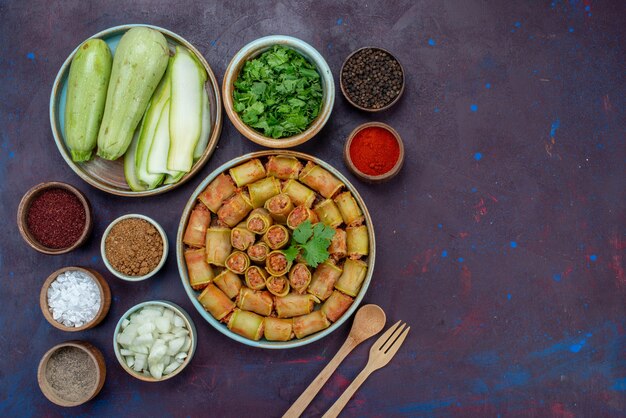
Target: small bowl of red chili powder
(374,152)
(54,218)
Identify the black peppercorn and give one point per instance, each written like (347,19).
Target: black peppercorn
(372,78)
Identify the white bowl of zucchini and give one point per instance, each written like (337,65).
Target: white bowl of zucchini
(135,110)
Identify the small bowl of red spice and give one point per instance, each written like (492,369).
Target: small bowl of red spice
(374,152)
(134,247)
(54,218)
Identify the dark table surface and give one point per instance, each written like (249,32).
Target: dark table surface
(501,242)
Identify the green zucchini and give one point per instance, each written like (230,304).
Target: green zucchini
(205,133)
(138,65)
(146,136)
(188,78)
(157,157)
(86,93)
(129,166)
(171,179)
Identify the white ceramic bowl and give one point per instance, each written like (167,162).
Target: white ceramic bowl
(193,333)
(254,49)
(134,278)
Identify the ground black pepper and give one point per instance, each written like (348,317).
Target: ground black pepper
(56,218)
(372,78)
(71,373)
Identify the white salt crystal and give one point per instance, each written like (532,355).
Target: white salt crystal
(74,298)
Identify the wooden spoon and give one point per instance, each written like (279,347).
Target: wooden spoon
(368,321)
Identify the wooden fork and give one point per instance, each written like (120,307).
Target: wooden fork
(381,353)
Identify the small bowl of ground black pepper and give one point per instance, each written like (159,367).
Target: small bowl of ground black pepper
(374,152)
(54,218)
(372,79)
(134,247)
(71,373)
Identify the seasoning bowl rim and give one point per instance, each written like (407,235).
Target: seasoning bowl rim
(24,207)
(347,96)
(251,50)
(99,364)
(123,276)
(105,298)
(367,177)
(193,334)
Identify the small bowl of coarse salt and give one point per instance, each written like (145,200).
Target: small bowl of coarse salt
(75,298)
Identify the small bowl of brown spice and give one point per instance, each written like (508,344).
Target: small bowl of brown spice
(134,247)
(372,79)
(71,373)
(54,218)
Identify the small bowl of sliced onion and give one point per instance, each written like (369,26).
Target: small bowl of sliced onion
(154,340)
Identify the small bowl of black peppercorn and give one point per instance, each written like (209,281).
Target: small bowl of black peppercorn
(372,79)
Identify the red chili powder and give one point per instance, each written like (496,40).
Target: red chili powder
(56,218)
(374,151)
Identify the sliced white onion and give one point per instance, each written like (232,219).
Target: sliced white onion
(130,361)
(156,370)
(178,321)
(154,341)
(173,366)
(145,339)
(179,332)
(140,349)
(151,311)
(124,339)
(140,362)
(187,345)
(175,346)
(163,324)
(169,314)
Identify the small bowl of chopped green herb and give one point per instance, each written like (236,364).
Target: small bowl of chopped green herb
(278,91)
